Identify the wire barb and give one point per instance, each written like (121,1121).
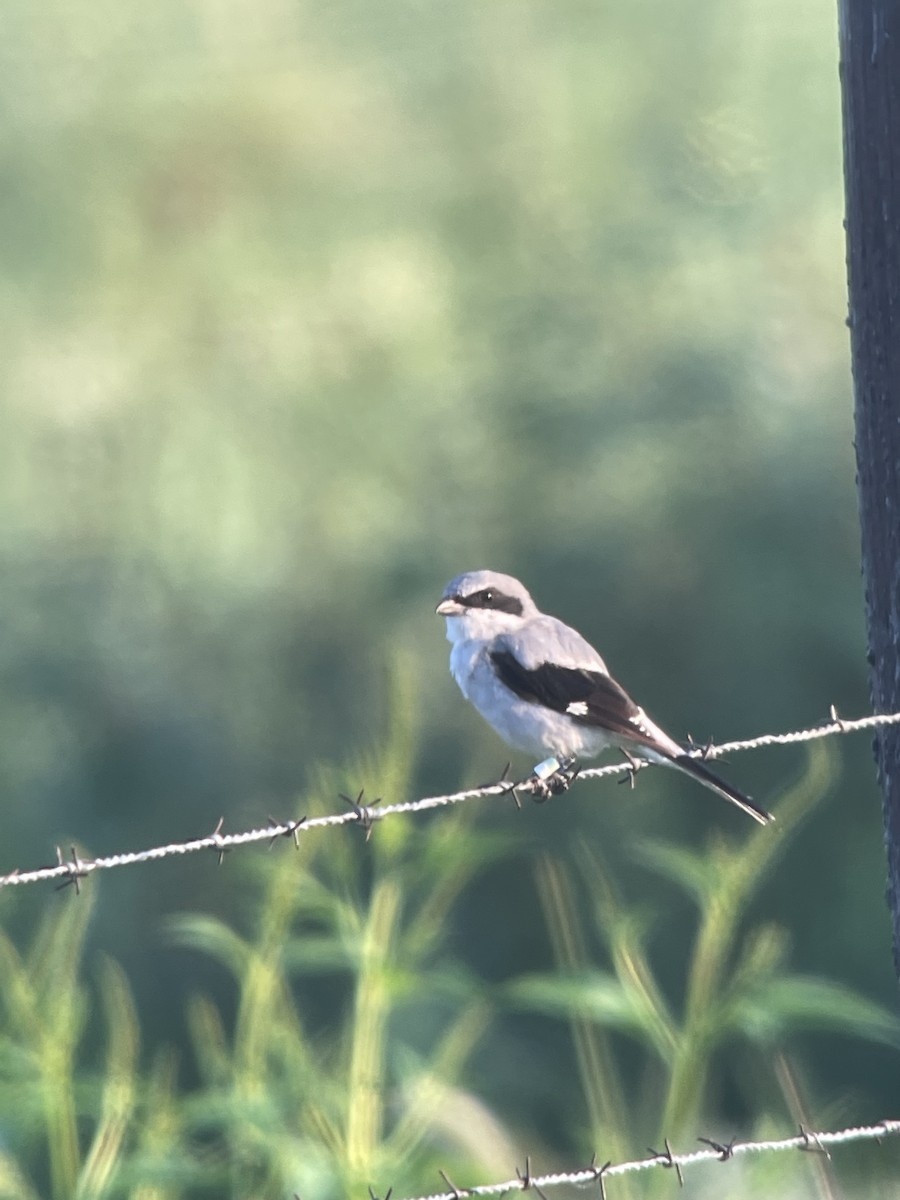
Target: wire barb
(457,1193)
(668,1160)
(285,829)
(598,1173)
(631,770)
(74,870)
(219,844)
(525,1179)
(810,1142)
(69,872)
(363,813)
(511,788)
(724,1151)
(835,719)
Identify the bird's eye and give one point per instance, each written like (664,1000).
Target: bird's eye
(488,596)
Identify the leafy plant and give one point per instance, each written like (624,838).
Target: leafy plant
(738,986)
(324,1103)
(44,1100)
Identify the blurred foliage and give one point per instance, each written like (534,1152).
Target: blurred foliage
(305,308)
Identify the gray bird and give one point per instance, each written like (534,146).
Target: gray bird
(547,691)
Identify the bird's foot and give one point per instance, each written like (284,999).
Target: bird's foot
(552,777)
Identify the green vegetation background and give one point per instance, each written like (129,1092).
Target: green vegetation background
(304,308)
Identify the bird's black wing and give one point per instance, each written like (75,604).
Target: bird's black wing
(594,698)
(587,697)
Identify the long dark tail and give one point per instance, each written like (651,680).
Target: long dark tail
(693,766)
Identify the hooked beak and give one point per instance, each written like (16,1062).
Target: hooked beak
(449,608)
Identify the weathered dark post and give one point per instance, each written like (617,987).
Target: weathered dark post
(870,80)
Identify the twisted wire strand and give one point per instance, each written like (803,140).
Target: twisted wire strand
(73,868)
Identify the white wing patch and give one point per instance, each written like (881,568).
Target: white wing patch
(639,720)
(577,708)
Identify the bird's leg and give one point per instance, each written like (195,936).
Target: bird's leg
(565,776)
(552,777)
(539,780)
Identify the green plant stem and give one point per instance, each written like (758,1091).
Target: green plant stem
(738,876)
(59,1116)
(120,1086)
(596,1065)
(367,1053)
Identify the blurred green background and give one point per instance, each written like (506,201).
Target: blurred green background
(305,308)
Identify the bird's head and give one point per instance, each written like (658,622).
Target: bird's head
(482,604)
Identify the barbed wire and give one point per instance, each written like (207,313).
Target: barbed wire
(72,869)
(525,1181)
